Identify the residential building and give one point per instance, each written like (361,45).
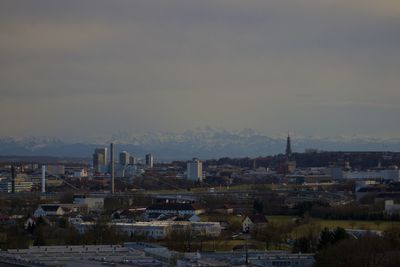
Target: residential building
(251,222)
(59,209)
(50,210)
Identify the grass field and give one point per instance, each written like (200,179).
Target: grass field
(315,224)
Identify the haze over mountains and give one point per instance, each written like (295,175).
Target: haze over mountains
(204,143)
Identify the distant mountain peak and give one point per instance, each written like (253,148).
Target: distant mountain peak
(207,142)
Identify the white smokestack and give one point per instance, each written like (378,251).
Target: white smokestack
(43,179)
(112,156)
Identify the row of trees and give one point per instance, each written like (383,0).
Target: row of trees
(61,233)
(370,250)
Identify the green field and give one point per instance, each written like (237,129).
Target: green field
(316,224)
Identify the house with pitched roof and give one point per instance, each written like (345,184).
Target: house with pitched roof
(253,221)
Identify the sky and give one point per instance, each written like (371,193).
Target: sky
(80,68)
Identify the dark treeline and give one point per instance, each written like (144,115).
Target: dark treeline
(273,204)
(44,233)
(369,250)
(360,160)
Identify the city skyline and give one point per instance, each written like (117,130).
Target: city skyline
(200,133)
(72,69)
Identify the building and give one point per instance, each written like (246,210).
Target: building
(149,161)
(251,222)
(50,210)
(133,170)
(55,170)
(195,170)
(21,185)
(224,209)
(80,173)
(160,229)
(175,208)
(100,160)
(148,254)
(250,258)
(58,209)
(93,203)
(290,163)
(334,172)
(391,208)
(386,174)
(82,255)
(124,158)
(132,160)
(288,151)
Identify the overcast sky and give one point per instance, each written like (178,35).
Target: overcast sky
(314,67)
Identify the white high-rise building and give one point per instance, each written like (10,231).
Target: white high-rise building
(195,170)
(112,167)
(124,158)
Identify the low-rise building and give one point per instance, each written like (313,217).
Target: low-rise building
(251,258)
(175,208)
(252,221)
(20,185)
(392,173)
(158,229)
(93,203)
(391,208)
(55,170)
(59,209)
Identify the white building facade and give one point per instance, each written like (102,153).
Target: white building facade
(195,170)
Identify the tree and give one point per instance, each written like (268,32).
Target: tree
(38,236)
(325,238)
(339,234)
(372,251)
(63,222)
(308,243)
(392,235)
(258,206)
(273,233)
(328,237)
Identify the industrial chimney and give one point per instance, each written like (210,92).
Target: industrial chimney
(44,179)
(12,179)
(112,163)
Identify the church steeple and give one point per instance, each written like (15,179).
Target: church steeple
(288,147)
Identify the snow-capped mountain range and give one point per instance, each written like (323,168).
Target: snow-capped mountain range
(204,143)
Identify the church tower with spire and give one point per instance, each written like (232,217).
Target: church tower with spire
(288,147)
(290,163)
